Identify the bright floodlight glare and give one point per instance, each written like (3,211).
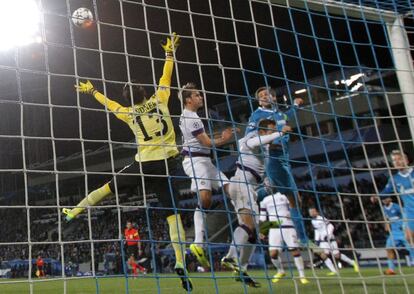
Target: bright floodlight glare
(19,23)
(300,91)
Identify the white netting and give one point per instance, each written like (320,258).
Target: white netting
(351,64)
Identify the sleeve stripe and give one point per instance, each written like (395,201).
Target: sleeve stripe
(197,132)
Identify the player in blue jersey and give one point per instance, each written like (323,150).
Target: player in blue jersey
(402,183)
(277,166)
(396,237)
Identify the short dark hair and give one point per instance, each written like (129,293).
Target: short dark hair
(186,91)
(264,123)
(271,91)
(138,93)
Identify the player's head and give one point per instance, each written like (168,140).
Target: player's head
(266,96)
(129,224)
(266,127)
(387,201)
(138,93)
(191,96)
(313,212)
(399,159)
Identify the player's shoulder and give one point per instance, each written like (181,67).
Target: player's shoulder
(260,113)
(249,136)
(190,114)
(320,218)
(398,177)
(278,198)
(267,199)
(281,196)
(395,206)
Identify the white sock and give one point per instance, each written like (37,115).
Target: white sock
(245,253)
(329,265)
(347,259)
(278,264)
(232,252)
(300,266)
(240,238)
(198,226)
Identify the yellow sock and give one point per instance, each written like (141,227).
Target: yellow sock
(177,236)
(92,199)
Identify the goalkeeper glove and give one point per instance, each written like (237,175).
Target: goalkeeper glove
(264,227)
(171,44)
(85,88)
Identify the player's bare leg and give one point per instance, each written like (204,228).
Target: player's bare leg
(390,262)
(329,264)
(344,258)
(409,236)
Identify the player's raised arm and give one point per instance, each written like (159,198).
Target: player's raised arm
(267,139)
(226,136)
(296,104)
(164,84)
(388,189)
(113,106)
(386,192)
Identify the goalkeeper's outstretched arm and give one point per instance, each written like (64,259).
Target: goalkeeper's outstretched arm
(170,46)
(113,106)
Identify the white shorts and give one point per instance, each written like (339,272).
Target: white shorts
(243,194)
(280,236)
(203,173)
(329,247)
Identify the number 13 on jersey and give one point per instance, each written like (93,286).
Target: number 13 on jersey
(154,125)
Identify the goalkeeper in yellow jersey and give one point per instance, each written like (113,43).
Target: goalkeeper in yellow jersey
(150,121)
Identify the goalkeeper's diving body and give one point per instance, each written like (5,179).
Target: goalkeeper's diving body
(150,121)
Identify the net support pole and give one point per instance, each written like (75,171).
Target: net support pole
(404,66)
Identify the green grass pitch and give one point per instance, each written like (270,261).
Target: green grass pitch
(203,283)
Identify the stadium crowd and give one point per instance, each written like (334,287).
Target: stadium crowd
(356,209)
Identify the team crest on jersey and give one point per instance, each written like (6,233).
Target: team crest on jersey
(196,125)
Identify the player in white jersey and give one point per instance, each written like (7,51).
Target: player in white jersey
(275,208)
(197,163)
(249,174)
(325,239)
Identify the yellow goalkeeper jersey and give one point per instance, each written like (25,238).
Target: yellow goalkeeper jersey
(150,121)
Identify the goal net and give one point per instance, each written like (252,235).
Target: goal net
(343,79)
